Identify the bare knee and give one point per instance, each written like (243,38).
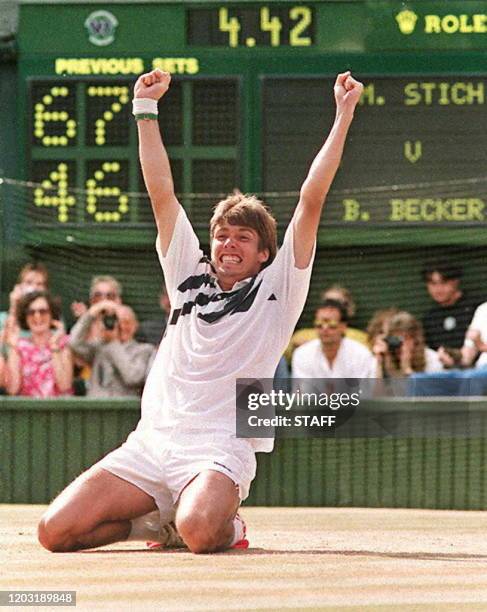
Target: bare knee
(54,535)
(200,533)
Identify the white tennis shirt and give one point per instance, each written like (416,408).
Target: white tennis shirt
(214,337)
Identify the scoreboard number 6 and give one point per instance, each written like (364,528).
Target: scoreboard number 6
(45,114)
(96,190)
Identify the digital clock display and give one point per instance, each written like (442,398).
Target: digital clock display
(256,26)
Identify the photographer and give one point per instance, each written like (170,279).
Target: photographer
(119,363)
(400,350)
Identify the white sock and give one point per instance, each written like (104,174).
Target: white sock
(145,527)
(238,530)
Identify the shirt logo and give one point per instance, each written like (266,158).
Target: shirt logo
(449,323)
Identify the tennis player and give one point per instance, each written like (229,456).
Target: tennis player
(232,317)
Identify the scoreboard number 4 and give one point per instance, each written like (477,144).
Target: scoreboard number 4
(54,192)
(288,29)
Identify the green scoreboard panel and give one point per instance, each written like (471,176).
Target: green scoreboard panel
(249,105)
(82,149)
(416,152)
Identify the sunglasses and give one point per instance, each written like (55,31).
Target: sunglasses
(331,323)
(42,311)
(98,295)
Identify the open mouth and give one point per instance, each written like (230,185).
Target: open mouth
(230,259)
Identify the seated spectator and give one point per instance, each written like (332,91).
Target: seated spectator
(378,324)
(32,277)
(446,323)
(475,342)
(152,330)
(102,287)
(400,350)
(343,295)
(41,365)
(119,363)
(332,354)
(339,294)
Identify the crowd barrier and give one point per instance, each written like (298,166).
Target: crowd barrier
(429,453)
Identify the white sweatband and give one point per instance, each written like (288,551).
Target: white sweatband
(469,343)
(144,106)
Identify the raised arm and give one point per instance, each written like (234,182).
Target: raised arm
(149,88)
(315,188)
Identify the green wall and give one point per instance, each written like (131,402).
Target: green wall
(436,459)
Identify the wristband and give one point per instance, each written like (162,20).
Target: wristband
(469,343)
(144,106)
(142,116)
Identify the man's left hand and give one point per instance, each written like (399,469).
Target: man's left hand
(347,92)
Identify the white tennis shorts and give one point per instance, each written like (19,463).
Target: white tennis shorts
(162,467)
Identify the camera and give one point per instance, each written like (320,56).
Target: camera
(109,320)
(393,343)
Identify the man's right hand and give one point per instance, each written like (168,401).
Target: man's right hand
(152,84)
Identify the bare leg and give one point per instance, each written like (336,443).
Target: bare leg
(207,507)
(94,510)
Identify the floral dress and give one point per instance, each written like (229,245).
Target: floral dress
(38,379)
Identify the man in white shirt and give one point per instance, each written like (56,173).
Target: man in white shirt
(232,317)
(332,355)
(476,339)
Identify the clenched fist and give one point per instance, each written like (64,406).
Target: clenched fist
(347,92)
(153,84)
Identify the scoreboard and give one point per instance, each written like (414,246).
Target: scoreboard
(249,105)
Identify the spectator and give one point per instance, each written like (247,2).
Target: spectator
(475,342)
(32,277)
(378,324)
(332,354)
(400,350)
(41,365)
(339,294)
(102,287)
(447,321)
(119,363)
(151,331)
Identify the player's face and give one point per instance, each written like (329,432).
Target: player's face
(235,254)
(443,291)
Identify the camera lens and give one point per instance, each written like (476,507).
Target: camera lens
(109,321)
(393,342)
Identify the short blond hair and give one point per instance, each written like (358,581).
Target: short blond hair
(247,210)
